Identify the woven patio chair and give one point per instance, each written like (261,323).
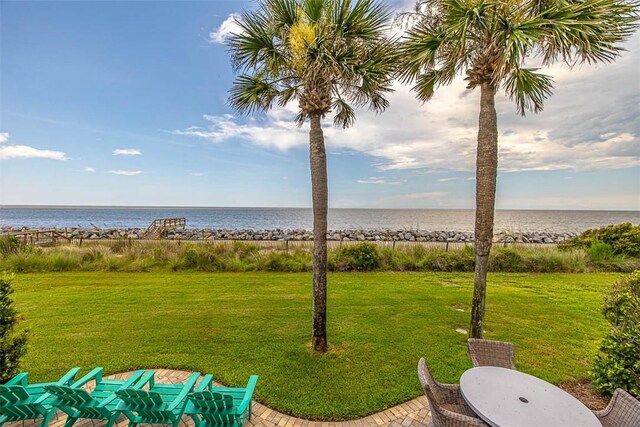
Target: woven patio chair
(622,411)
(492,353)
(448,408)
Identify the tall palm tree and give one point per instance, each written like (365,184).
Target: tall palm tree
(491,41)
(330,56)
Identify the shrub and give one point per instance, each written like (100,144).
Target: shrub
(191,258)
(506,259)
(13,343)
(396,259)
(600,251)
(118,246)
(552,261)
(439,260)
(361,256)
(624,239)
(618,363)
(245,250)
(11,245)
(298,261)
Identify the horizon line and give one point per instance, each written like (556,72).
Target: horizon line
(36,206)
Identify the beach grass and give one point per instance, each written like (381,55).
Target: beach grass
(156,256)
(379,324)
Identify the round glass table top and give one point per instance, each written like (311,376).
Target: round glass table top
(508,398)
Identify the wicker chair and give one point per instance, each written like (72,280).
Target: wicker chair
(492,353)
(622,411)
(448,408)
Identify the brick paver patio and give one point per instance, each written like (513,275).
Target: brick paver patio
(414,413)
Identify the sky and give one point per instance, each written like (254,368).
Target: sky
(125,103)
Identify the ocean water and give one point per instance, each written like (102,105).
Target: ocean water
(301,218)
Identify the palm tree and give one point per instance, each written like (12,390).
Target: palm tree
(329,55)
(491,41)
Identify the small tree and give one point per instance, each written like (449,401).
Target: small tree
(330,56)
(13,344)
(618,364)
(491,41)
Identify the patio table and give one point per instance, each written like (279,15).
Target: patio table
(508,398)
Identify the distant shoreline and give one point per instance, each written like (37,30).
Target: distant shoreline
(141,207)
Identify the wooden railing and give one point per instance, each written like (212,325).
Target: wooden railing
(157,227)
(40,237)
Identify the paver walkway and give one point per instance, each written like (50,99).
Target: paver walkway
(414,413)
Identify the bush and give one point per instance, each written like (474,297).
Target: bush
(448,261)
(245,250)
(600,251)
(361,256)
(618,363)
(624,239)
(13,343)
(11,245)
(296,262)
(506,259)
(396,259)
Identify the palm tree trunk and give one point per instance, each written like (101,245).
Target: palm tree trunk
(486,173)
(318,161)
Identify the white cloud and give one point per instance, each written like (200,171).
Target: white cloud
(196,174)
(26,152)
(88,169)
(277,130)
(591,122)
(377,180)
(127,152)
(229,26)
(4,137)
(125,172)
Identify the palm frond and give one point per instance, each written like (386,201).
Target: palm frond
(344,116)
(282,13)
(588,30)
(250,46)
(419,51)
(315,10)
(528,89)
(426,84)
(366,20)
(325,53)
(251,93)
(491,40)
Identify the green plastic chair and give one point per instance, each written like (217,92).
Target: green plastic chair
(161,404)
(21,401)
(99,404)
(220,406)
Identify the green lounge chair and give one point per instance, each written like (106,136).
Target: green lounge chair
(21,401)
(220,406)
(99,404)
(161,404)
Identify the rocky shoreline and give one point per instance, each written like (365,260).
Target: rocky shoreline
(300,235)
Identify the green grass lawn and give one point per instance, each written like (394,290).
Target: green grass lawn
(236,324)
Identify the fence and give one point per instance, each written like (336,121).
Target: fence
(287,245)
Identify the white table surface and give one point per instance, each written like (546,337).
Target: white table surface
(495,395)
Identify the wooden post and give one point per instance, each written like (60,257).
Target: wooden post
(446,248)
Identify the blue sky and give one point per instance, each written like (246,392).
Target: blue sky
(124,103)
